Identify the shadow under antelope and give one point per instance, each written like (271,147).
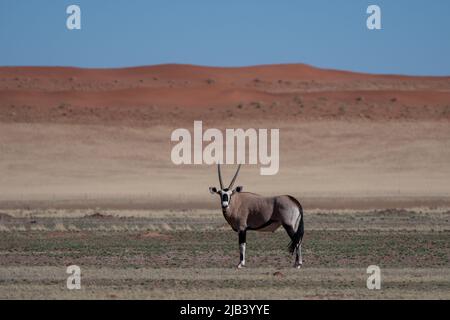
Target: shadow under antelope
(249,211)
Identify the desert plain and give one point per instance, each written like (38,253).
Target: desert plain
(86,179)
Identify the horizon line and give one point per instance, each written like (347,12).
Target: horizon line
(168,64)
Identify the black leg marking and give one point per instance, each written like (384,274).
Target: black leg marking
(242,240)
(290,231)
(242,236)
(297,250)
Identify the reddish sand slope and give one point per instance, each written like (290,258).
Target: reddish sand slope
(68,132)
(170,93)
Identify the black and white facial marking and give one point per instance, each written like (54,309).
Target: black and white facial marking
(225,198)
(225,195)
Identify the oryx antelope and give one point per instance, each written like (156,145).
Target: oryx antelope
(249,211)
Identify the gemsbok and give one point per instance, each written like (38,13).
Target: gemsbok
(249,211)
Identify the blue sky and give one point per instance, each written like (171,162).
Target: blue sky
(415,38)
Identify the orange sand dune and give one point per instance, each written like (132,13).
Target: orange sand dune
(164,92)
(70,132)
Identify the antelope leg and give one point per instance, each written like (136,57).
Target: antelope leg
(299,259)
(242,240)
(298,256)
(298,250)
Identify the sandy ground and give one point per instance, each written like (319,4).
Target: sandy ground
(68,133)
(336,159)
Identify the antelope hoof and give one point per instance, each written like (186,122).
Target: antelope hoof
(297,265)
(241,265)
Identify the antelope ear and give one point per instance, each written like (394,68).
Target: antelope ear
(239,189)
(212,190)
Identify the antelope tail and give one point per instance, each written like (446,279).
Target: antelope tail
(298,236)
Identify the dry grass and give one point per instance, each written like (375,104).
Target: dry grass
(260,283)
(415,219)
(191,255)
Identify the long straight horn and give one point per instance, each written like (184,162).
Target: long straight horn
(220,176)
(234,178)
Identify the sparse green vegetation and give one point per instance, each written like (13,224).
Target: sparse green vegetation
(193,255)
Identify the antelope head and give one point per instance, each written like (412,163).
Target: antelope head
(226,193)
